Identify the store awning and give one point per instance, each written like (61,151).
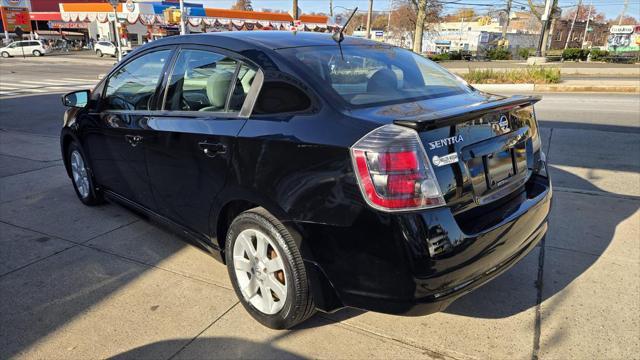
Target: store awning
(45,16)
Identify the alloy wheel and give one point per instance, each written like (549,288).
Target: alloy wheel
(260,271)
(80,175)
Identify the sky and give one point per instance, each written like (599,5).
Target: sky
(611,8)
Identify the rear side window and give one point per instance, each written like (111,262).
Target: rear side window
(203,80)
(132,86)
(280,97)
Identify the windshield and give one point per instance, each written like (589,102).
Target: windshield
(375,75)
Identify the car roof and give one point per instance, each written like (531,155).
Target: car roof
(270,39)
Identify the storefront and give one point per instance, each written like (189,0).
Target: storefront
(139,22)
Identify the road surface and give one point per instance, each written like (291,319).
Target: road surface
(79,282)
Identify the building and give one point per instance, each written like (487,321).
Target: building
(597,34)
(478,36)
(524,23)
(144,20)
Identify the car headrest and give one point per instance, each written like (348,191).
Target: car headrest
(218,87)
(382,80)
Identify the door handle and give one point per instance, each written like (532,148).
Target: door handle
(212,149)
(133,140)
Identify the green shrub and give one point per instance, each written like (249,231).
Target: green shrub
(455,55)
(499,53)
(440,57)
(529,75)
(599,55)
(575,54)
(524,53)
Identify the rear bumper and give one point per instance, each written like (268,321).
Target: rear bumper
(386,262)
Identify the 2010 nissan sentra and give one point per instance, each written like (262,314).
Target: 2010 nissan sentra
(325,175)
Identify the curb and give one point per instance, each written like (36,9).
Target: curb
(557,88)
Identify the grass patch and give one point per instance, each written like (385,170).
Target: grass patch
(530,75)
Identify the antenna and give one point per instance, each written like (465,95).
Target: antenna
(338,37)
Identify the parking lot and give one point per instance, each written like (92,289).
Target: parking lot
(79,282)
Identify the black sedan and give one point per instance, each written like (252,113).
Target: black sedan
(325,175)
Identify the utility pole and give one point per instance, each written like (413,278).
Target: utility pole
(369,14)
(545,26)
(331,8)
(586,28)
(573,23)
(295,14)
(624,10)
(182,25)
(389,18)
(506,23)
(116,34)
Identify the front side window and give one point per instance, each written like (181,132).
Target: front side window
(133,86)
(375,75)
(207,81)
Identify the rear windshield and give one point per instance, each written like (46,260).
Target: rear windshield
(376,75)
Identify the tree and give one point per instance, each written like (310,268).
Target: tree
(583,12)
(626,20)
(380,22)
(462,13)
(242,5)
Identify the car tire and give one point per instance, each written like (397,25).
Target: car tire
(81,177)
(99,53)
(36,53)
(5,54)
(276,260)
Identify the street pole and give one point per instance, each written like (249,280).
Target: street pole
(116,32)
(182,27)
(296,16)
(586,28)
(114,4)
(331,8)
(624,10)
(369,14)
(573,23)
(389,19)
(506,23)
(545,26)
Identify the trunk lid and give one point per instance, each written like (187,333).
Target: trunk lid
(481,147)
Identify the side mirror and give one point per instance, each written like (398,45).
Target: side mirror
(77,99)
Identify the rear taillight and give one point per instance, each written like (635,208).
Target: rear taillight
(393,171)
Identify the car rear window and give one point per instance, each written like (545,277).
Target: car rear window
(374,75)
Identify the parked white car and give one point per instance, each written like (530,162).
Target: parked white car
(26,47)
(103,48)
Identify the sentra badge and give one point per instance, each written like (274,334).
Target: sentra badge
(445,142)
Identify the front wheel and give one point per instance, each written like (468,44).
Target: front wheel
(5,54)
(36,53)
(81,176)
(99,53)
(267,270)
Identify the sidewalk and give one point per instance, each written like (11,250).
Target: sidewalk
(617,86)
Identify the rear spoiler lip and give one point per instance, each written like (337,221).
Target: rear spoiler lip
(467,112)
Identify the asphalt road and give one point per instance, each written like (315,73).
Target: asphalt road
(79,282)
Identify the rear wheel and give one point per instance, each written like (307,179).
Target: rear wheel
(36,53)
(81,177)
(267,271)
(99,53)
(5,54)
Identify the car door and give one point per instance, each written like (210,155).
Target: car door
(117,131)
(15,49)
(31,45)
(194,132)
